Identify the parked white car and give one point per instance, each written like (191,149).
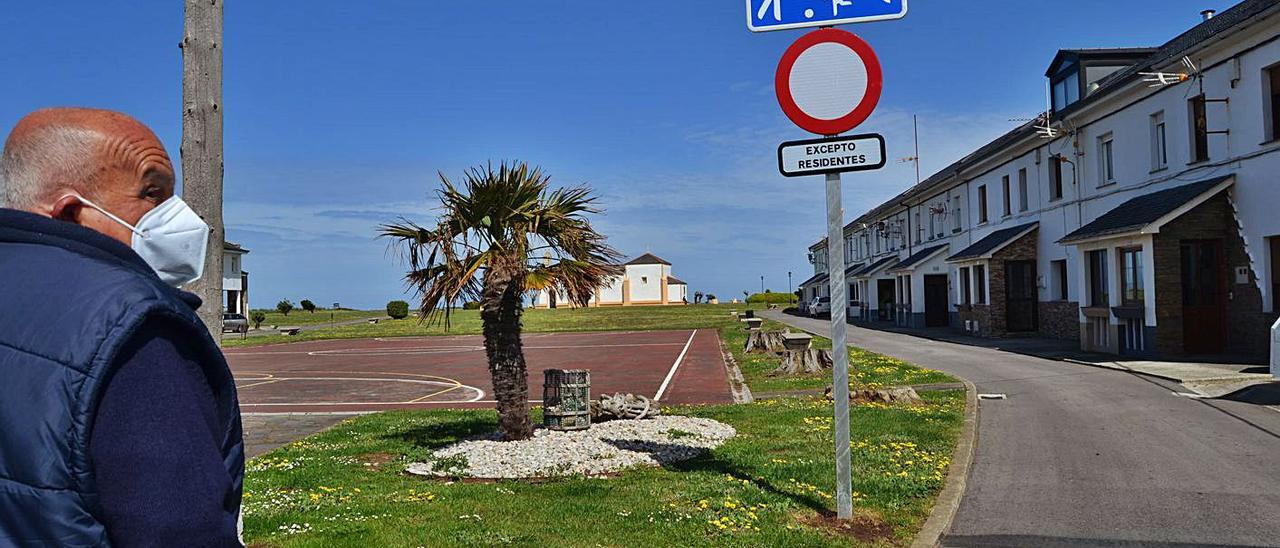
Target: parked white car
(820,306)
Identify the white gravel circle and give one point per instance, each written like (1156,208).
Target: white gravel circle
(604,448)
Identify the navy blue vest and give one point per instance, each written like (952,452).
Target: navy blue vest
(69,300)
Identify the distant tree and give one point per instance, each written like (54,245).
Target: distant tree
(768,291)
(284,307)
(308,306)
(258,317)
(398,310)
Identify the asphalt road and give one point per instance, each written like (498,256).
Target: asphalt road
(1083,456)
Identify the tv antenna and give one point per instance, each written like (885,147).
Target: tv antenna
(1161,79)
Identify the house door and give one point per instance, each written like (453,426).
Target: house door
(935,300)
(1020,295)
(884,294)
(1204,277)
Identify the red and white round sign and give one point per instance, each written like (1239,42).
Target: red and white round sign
(829,81)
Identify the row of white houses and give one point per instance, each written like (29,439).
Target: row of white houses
(1145,225)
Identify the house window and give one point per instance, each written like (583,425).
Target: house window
(1022,189)
(1098,278)
(1055,178)
(1199,129)
(1131,291)
(1271,96)
(1060,279)
(1159,143)
(980,279)
(957,221)
(1008,200)
(1106,160)
(1066,90)
(966,291)
(982,204)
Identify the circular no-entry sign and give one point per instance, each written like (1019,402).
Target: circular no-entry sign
(829,81)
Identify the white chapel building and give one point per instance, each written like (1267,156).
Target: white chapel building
(646,281)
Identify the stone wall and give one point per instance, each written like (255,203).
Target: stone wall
(980,313)
(1246,324)
(1060,320)
(993,319)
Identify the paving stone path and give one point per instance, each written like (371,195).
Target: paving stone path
(263,433)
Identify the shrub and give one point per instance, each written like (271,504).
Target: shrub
(471,305)
(284,307)
(398,310)
(308,306)
(770,298)
(258,317)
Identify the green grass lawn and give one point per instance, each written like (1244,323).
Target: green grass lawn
(301,317)
(769,486)
(467,322)
(866,369)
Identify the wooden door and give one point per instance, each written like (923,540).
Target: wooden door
(1204,299)
(935,300)
(1020,295)
(886,300)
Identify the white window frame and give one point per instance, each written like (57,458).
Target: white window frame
(1159,142)
(1024,201)
(1106,159)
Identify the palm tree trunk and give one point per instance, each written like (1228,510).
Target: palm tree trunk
(501,316)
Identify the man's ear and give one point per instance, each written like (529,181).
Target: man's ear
(67,208)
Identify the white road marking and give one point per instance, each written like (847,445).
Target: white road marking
(667,381)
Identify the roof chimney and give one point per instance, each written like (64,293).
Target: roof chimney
(1208,14)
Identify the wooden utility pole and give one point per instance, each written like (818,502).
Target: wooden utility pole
(202,144)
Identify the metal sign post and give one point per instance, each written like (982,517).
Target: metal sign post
(839,346)
(828,82)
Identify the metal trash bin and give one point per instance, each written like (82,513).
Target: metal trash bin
(566,399)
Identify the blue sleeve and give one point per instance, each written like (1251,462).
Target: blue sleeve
(155,450)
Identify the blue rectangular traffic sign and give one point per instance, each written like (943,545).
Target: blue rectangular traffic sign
(767,15)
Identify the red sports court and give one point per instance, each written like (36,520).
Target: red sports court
(423,372)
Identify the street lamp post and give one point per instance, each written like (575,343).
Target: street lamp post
(790,292)
(762,285)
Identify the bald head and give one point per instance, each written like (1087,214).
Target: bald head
(53,157)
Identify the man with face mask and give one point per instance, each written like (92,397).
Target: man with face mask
(118,416)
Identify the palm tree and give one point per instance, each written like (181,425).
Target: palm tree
(483,247)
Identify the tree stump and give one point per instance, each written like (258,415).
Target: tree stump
(890,396)
(796,362)
(764,341)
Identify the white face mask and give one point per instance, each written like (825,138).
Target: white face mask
(171,238)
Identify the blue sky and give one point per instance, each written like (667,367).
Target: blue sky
(340,113)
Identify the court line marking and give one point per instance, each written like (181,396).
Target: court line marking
(480,393)
(270,381)
(679,359)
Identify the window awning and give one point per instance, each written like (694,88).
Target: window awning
(815,279)
(993,243)
(1147,213)
(910,263)
(873,268)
